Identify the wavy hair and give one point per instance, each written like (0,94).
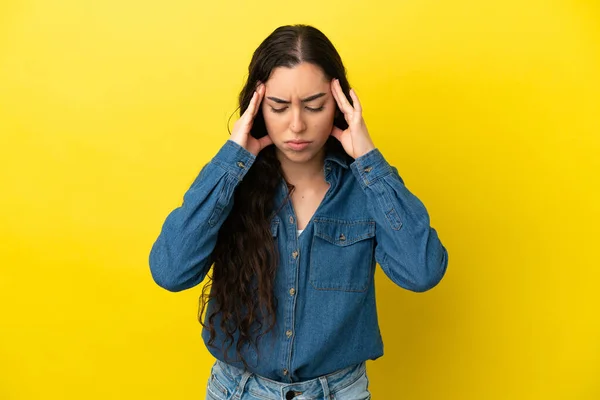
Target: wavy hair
(245,256)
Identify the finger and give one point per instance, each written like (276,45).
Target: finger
(265,141)
(250,110)
(260,91)
(337,133)
(356,103)
(337,100)
(346,107)
(335,94)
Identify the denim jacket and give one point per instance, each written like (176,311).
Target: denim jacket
(326,317)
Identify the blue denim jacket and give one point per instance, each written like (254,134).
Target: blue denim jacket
(326,312)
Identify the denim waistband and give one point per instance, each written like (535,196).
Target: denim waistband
(320,387)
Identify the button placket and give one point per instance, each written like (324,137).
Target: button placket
(293,265)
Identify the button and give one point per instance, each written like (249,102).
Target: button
(241,164)
(288,333)
(368,169)
(285,371)
(292,291)
(342,237)
(295,254)
(290,395)
(291,219)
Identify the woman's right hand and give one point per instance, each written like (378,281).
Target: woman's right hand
(241,130)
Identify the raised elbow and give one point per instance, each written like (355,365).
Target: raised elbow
(162,273)
(165,281)
(435,272)
(176,273)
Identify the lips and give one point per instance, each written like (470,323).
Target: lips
(297,145)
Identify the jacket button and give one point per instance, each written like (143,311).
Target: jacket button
(288,333)
(285,371)
(241,164)
(342,237)
(368,169)
(291,219)
(292,291)
(295,254)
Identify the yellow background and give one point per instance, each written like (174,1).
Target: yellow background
(489,110)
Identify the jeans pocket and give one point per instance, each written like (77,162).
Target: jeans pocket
(357,390)
(216,390)
(342,254)
(219,386)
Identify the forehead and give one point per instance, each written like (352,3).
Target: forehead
(303,79)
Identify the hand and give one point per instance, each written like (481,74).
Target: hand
(355,140)
(241,129)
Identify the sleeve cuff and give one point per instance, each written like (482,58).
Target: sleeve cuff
(234,159)
(370,167)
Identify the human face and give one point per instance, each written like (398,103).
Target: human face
(298,109)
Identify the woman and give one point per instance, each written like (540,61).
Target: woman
(294,211)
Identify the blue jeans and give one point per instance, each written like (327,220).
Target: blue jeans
(230,383)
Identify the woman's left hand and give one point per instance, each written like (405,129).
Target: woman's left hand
(355,140)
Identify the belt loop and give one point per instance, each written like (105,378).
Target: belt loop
(242,385)
(325,387)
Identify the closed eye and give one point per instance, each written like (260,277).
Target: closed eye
(280,110)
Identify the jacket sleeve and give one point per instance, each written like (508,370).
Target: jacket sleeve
(408,248)
(181,255)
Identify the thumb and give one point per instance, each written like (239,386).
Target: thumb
(337,133)
(264,141)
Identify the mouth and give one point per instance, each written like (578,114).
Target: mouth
(297,145)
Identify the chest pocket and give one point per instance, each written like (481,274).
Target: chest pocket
(342,255)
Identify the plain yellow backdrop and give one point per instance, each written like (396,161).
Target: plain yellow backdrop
(489,110)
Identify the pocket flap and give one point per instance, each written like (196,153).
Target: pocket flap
(344,232)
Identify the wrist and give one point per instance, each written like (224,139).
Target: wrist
(367,148)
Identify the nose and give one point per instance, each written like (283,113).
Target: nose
(297,124)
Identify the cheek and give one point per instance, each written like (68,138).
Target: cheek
(272,123)
(324,120)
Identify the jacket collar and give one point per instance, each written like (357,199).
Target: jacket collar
(340,159)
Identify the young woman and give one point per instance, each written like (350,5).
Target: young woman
(294,212)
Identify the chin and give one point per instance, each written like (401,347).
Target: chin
(298,156)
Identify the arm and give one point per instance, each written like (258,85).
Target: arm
(408,248)
(181,256)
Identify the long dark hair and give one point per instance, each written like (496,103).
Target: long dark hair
(245,256)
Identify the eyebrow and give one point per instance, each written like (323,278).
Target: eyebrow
(306,100)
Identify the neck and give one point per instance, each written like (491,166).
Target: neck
(299,173)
